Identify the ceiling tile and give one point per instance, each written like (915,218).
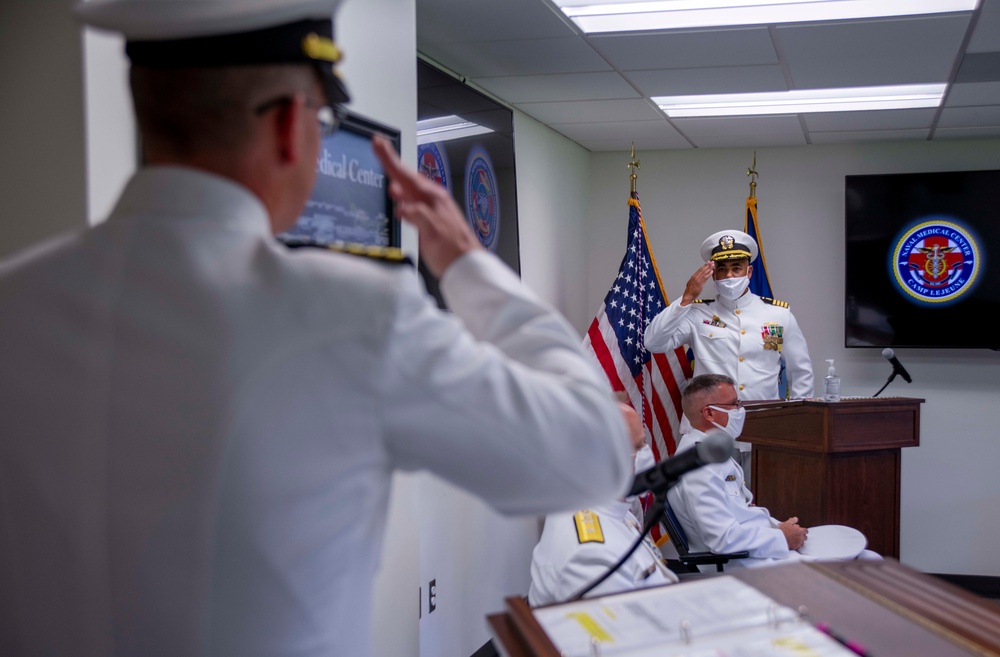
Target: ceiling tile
(968,117)
(875,120)
(728,47)
(641,144)
(568,86)
(592,111)
(525,53)
(738,125)
(524,57)
(618,130)
(874,52)
(986,37)
(966,133)
(449,21)
(751,141)
(979,67)
(846,137)
(713,80)
(741,131)
(979,93)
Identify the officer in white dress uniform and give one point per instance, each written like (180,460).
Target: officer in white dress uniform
(577,548)
(739,334)
(199,426)
(712,503)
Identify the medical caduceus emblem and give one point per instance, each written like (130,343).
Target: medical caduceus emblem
(936,267)
(935,261)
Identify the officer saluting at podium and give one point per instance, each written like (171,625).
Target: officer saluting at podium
(200,425)
(737,333)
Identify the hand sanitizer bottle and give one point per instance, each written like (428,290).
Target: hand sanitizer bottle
(831,384)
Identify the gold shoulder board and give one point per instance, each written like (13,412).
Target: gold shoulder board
(703,301)
(388,254)
(588,527)
(774,302)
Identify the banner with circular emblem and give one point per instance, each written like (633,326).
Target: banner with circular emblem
(936,260)
(482,199)
(432,162)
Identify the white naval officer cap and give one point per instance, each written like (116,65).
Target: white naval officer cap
(729,245)
(204,33)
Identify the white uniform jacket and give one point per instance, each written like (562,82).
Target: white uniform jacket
(714,508)
(199,426)
(744,339)
(567,558)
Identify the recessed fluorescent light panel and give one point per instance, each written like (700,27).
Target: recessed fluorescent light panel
(628,16)
(444,128)
(803,101)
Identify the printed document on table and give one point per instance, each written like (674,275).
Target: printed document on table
(714,617)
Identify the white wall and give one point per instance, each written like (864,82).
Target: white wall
(477,557)
(379,42)
(111,133)
(41,123)
(552,199)
(950,508)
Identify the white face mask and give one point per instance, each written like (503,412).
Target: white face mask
(644,459)
(736,417)
(732,288)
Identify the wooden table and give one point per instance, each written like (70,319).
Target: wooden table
(893,610)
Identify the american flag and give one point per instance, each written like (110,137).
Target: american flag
(615,340)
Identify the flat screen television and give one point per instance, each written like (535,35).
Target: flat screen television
(919,271)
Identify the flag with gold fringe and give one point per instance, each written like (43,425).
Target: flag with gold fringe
(615,340)
(760,281)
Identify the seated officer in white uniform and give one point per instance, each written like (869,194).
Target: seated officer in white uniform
(577,548)
(712,503)
(199,426)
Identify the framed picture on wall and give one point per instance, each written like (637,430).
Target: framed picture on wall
(350,201)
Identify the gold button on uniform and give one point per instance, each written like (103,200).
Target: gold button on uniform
(743,331)
(741,359)
(741,386)
(737,311)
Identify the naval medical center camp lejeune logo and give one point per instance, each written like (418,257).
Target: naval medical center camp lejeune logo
(432,163)
(936,261)
(482,198)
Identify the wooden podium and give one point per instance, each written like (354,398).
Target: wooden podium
(833,462)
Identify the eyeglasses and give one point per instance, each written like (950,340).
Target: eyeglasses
(735,404)
(329,118)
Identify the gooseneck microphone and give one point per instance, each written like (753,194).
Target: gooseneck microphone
(716,447)
(897,367)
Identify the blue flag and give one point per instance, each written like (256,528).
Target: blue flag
(760,282)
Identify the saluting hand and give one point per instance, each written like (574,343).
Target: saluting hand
(445,235)
(696,283)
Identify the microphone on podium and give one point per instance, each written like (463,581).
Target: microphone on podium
(897,367)
(716,447)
